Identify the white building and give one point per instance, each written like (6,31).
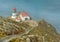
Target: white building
(24,16)
(14,13)
(18,19)
(20,16)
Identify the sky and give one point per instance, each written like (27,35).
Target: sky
(37,9)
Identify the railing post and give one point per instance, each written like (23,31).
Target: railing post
(43,38)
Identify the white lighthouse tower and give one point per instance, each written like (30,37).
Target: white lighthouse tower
(14,13)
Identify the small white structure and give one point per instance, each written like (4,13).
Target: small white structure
(18,19)
(20,16)
(14,13)
(24,16)
(28,40)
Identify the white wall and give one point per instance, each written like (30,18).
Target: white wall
(23,18)
(13,15)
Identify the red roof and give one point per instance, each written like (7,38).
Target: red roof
(18,18)
(24,14)
(14,8)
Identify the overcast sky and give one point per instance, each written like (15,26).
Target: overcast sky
(47,9)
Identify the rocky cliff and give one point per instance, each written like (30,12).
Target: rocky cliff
(34,31)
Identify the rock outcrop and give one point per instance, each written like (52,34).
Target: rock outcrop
(36,31)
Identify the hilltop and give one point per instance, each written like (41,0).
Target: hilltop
(43,30)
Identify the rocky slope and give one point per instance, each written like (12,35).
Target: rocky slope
(35,31)
(46,32)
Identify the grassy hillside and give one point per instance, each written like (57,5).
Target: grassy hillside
(44,32)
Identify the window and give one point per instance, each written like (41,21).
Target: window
(26,18)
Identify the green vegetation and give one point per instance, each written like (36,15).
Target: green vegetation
(44,29)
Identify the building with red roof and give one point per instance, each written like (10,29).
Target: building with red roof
(20,16)
(18,19)
(24,16)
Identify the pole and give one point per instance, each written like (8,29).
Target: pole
(43,38)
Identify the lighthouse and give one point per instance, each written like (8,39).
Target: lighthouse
(14,13)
